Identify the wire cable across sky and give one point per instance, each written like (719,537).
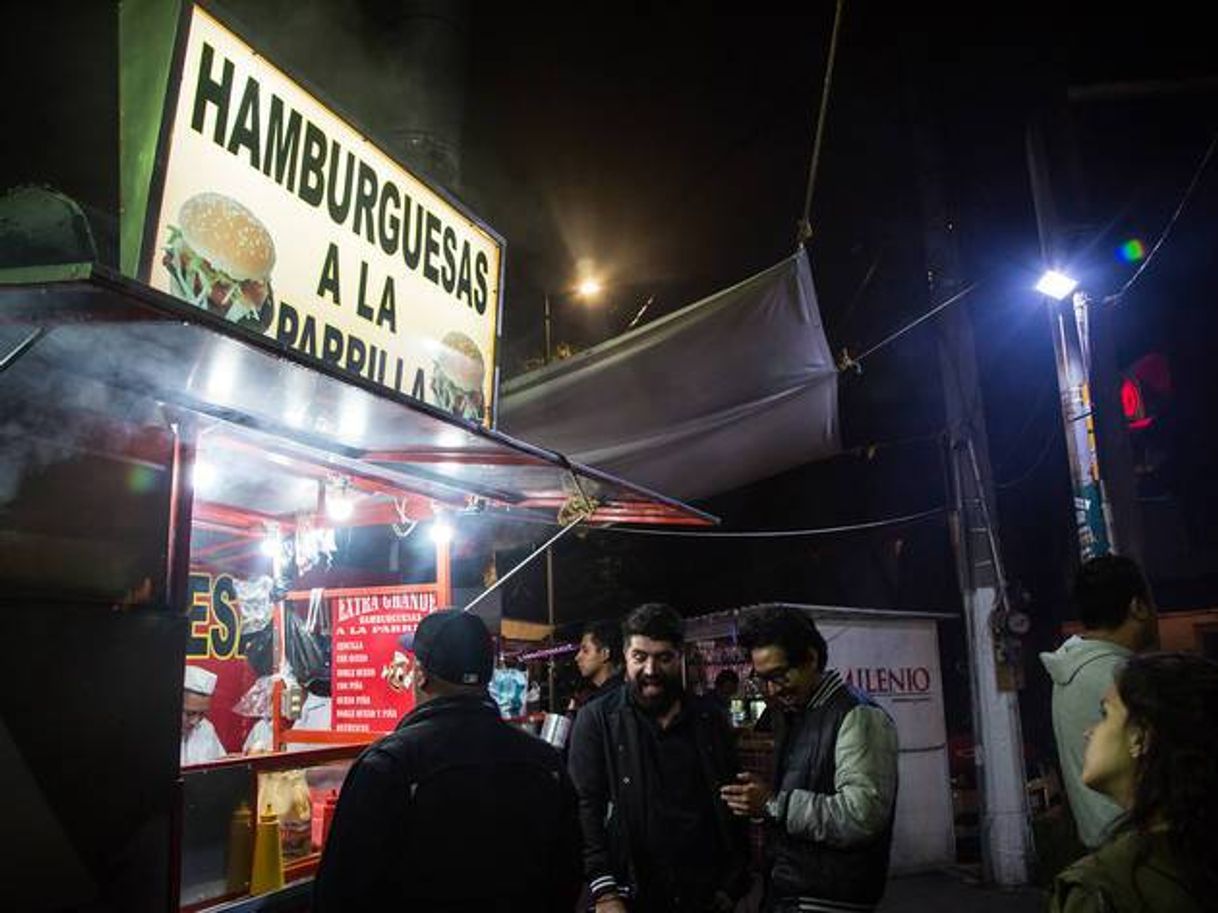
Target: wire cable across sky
(1192,185)
(781,533)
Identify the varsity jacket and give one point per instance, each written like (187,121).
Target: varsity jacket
(834,797)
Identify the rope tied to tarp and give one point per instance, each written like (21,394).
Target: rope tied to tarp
(579,506)
(804,232)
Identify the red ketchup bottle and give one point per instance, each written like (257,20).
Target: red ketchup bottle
(327,814)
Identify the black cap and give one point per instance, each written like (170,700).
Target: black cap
(455,646)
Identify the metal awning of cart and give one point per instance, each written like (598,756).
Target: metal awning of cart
(101,345)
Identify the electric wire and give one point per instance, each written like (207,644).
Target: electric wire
(893,337)
(779,533)
(844,320)
(1049,382)
(1044,452)
(1192,185)
(870,449)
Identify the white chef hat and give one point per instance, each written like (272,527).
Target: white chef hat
(200,680)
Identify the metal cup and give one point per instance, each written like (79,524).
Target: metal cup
(555,728)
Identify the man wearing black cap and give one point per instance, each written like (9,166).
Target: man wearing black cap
(455,810)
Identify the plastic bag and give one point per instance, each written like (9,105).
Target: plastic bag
(255,600)
(308,654)
(508,687)
(256,702)
(314,545)
(286,792)
(259,650)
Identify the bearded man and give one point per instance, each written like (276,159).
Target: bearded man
(648,761)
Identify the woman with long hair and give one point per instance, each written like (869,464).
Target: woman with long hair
(1154,751)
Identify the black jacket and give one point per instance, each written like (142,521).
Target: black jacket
(611,685)
(610,775)
(454,811)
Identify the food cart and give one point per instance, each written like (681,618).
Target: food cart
(261,449)
(121,557)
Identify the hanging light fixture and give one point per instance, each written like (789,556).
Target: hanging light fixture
(340,506)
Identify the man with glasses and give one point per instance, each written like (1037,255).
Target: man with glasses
(829,810)
(648,761)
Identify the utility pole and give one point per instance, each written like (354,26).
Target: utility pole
(550,618)
(1105,502)
(1004,823)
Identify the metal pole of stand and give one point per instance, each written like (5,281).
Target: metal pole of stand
(550,618)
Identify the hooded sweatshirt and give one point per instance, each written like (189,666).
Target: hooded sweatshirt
(1082,670)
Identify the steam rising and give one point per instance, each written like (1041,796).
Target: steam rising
(49,413)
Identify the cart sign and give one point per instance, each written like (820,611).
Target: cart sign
(214,643)
(278,215)
(372,669)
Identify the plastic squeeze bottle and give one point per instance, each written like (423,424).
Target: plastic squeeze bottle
(267,874)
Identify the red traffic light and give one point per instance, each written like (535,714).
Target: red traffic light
(1145,389)
(1133,406)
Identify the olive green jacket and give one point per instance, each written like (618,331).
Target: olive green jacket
(1117,879)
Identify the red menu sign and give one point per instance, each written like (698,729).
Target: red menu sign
(372,634)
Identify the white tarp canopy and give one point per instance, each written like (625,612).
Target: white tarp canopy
(731,389)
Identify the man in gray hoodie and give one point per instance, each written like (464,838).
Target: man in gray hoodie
(1119,620)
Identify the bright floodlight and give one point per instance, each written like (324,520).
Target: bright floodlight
(589,288)
(270,546)
(204,477)
(339,505)
(441,531)
(1056,285)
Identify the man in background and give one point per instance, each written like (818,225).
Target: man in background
(200,743)
(455,810)
(600,659)
(726,688)
(1118,620)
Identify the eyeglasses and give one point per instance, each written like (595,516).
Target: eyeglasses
(776,678)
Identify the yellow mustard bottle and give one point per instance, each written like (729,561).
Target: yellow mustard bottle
(267,874)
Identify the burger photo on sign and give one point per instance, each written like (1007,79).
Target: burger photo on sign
(219,257)
(456,378)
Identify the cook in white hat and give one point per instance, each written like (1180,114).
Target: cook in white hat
(200,743)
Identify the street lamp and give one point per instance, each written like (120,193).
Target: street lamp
(1072,350)
(1056,285)
(588,289)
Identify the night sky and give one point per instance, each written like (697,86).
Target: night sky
(671,147)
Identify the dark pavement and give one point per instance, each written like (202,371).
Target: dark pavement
(957,890)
